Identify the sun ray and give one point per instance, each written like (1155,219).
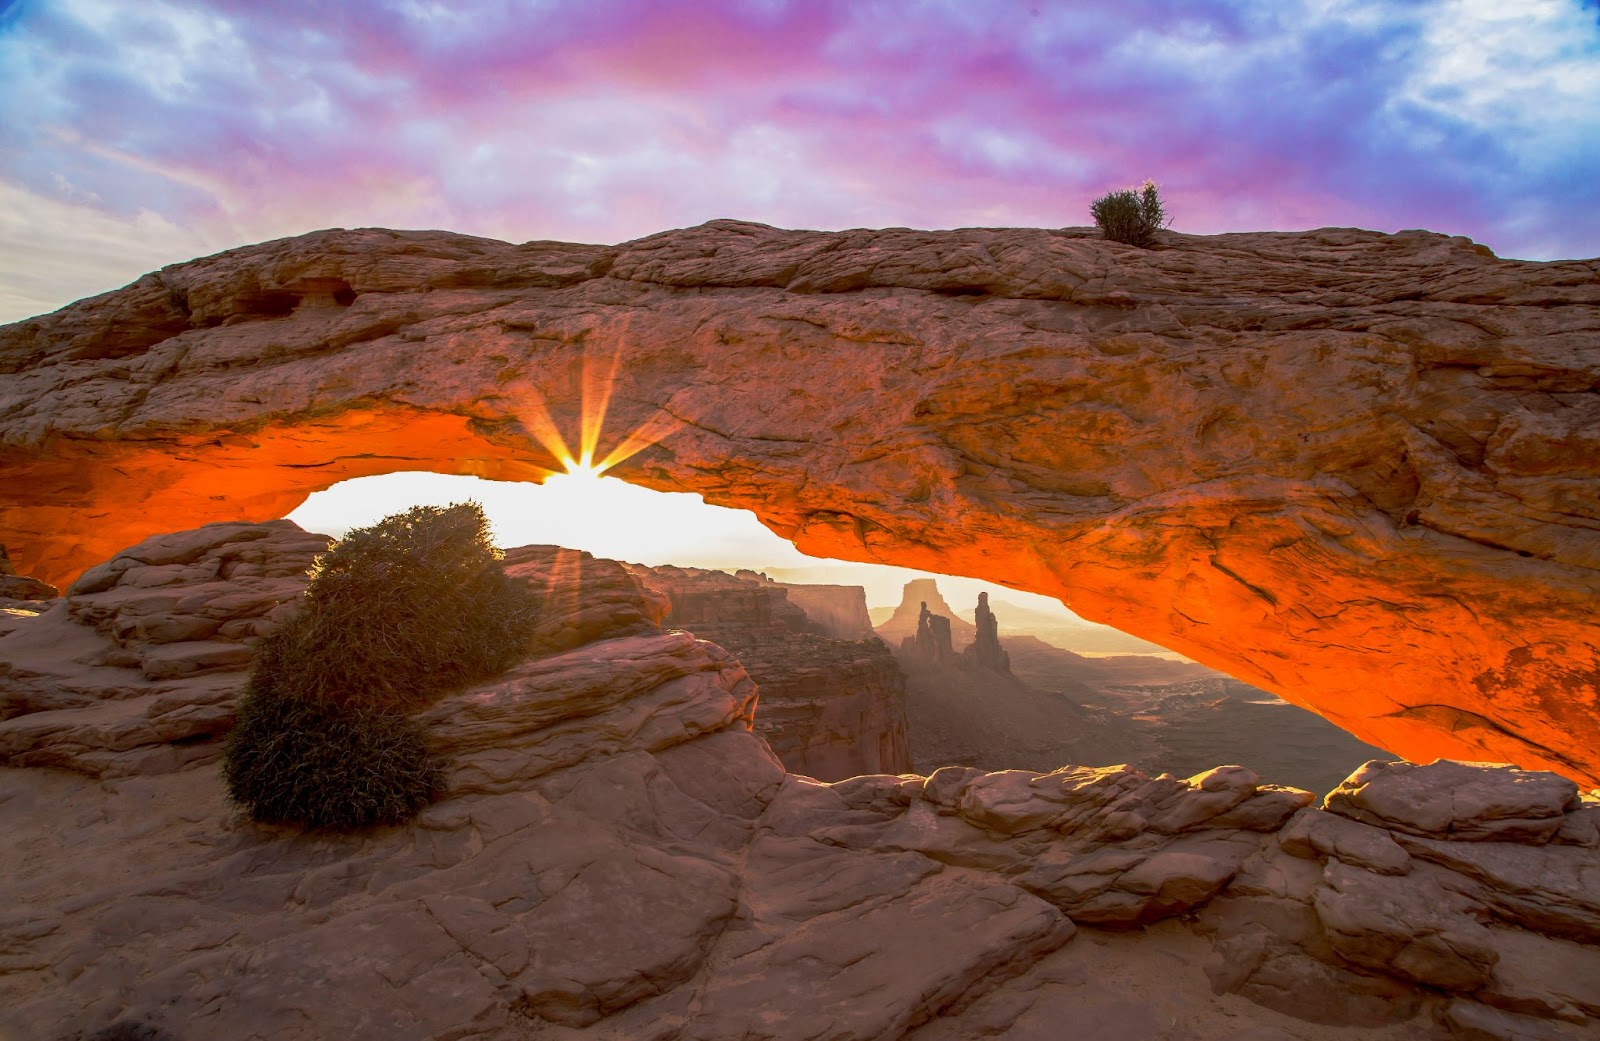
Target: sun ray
(536,418)
(653,430)
(597,381)
(596,390)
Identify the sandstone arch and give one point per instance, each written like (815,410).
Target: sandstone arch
(1360,470)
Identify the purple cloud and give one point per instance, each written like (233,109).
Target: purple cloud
(608,119)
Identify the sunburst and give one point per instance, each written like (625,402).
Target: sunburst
(599,379)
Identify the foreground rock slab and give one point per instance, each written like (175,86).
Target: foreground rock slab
(1353,469)
(619,855)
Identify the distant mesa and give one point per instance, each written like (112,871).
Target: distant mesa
(839,611)
(922,597)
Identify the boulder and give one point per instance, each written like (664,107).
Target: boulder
(196,601)
(1459,801)
(1493,911)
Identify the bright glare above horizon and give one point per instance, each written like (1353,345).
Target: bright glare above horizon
(579,509)
(582,509)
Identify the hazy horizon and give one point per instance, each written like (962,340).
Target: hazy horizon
(611,518)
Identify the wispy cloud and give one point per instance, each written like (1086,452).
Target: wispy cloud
(601,120)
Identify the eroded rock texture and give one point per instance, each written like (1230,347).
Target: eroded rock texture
(1356,469)
(136,670)
(1472,881)
(830,708)
(620,856)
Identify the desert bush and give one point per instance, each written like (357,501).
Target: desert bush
(1131,216)
(336,766)
(395,614)
(412,606)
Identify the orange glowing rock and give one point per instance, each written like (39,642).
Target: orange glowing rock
(1359,470)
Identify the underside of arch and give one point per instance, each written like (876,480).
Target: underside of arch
(1358,470)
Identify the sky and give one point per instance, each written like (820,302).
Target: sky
(603,515)
(134,135)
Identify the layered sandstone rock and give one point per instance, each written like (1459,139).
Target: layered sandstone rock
(195,601)
(137,668)
(1472,881)
(1354,469)
(830,708)
(619,855)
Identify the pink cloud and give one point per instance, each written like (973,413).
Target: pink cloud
(608,120)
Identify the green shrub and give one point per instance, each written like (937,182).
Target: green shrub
(1131,216)
(399,612)
(331,766)
(395,615)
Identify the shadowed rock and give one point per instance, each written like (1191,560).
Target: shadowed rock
(619,852)
(831,708)
(930,645)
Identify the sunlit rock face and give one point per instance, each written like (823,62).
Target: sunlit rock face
(1358,470)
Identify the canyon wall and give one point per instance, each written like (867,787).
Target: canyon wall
(839,611)
(1355,469)
(829,708)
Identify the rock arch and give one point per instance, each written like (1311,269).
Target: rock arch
(1360,470)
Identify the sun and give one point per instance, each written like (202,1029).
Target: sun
(599,375)
(585,469)
(582,486)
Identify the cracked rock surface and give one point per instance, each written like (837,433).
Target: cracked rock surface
(620,856)
(1358,470)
